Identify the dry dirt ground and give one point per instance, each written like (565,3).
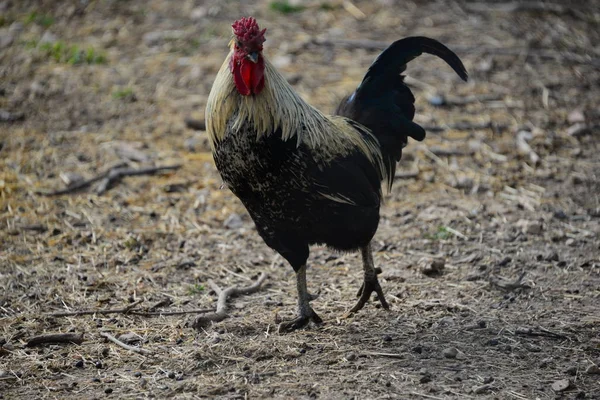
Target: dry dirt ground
(505,184)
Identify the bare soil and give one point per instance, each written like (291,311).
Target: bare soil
(505,184)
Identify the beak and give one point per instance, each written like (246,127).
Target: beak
(253,56)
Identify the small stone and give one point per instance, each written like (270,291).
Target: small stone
(130,338)
(560,214)
(425,379)
(108,390)
(418,349)
(572,370)
(171,375)
(234,221)
(79,364)
(593,370)
(351,356)
(436,100)
(504,262)
(493,342)
(98,364)
(575,116)
(137,374)
(489,379)
(433,267)
(387,338)
(561,385)
(450,352)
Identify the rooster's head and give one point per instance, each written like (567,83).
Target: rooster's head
(247,63)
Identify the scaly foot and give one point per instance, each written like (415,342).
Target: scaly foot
(301,321)
(369,286)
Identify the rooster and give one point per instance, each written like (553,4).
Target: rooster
(306,177)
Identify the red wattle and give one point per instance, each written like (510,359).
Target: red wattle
(249,77)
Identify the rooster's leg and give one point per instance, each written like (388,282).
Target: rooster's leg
(305,311)
(370,283)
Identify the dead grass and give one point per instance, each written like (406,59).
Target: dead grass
(472,196)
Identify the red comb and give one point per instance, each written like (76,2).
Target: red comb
(247,30)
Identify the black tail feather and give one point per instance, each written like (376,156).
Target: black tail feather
(384,104)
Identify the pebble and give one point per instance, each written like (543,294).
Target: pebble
(98,364)
(234,221)
(418,349)
(351,356)
(436,100)
(572,370)
(504,262)
(561,385)
(137,374)
(387,338)
(450,352)
(79,364)
(108,390)
(171,375)
(576,116)
(432,267)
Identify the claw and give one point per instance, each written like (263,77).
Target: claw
(368,287)
(300,322)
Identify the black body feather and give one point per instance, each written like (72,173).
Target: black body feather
(297,198)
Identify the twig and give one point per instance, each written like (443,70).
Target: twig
(131,311)
(125,346)
(353,10)
(388,355)
(116,175)
(76,338)
(196,124)
(406,174)
(540,332)
(507,285)
(82,184)
(109,178)
(161,313)
(464,126)
(232,291)
(123,310)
